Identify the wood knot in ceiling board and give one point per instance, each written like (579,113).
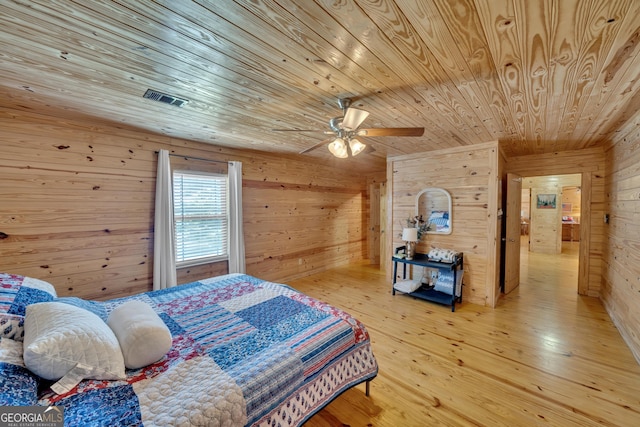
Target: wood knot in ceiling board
(3,235)
(503,23)
(61,147)
(539,71)
(623,54)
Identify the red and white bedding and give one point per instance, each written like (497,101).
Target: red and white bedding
(244,352)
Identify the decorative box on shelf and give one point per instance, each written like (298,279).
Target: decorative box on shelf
(446,286)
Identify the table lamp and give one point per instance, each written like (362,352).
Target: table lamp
(410,236)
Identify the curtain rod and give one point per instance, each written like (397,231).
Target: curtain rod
(195,158)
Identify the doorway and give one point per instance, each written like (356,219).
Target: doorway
(551,208)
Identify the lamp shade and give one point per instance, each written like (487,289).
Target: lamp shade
(410,234)
(338,148)
(353,118)
(356,146)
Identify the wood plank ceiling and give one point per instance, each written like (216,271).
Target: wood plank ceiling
(538,75)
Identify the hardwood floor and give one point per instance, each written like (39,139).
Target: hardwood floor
(544,356)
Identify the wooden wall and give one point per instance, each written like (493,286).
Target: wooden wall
(545,228)
(76,207)
(590,163)
(470,175)
(620,291)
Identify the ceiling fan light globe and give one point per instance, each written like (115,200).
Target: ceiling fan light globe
(338,148)
(356,146)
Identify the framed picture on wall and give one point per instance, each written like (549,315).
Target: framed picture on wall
(566,207)
(546,201)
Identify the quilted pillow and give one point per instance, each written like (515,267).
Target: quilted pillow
(65,342)
(18,386)
(143,336)
(16,292)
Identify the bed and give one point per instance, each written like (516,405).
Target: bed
(243,351)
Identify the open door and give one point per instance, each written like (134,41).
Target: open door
(374,223)
(385,256)
(512,233)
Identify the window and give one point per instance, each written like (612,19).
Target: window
(201,217)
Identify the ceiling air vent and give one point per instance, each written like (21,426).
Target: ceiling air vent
(163,97)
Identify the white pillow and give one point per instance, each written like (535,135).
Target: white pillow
(69,342)
(144,338)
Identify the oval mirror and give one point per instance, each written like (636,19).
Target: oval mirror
(434,205)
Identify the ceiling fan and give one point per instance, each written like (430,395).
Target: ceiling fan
(344,130)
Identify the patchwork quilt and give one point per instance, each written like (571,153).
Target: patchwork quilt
(244,352)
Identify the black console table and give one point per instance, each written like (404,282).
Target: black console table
(427,292)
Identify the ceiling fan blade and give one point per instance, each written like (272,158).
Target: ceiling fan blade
(391,132)
(300,130)
(318,145)
(354,118)
(369,149)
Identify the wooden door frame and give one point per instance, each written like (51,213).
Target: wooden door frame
(585,227)
(375,223)
(509,197)
(585,235)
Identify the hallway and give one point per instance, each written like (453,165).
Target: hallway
(548,277)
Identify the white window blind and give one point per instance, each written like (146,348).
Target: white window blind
(201,217)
